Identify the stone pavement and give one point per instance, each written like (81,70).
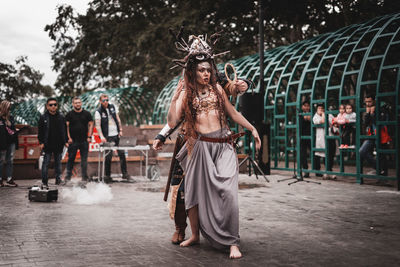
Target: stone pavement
(333,224)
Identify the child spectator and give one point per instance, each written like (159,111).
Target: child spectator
(349,130)
(340,118)
(346,118)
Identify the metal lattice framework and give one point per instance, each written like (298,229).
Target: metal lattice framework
(133,103)
(333,68)
(163,101)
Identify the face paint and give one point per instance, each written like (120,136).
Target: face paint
(203,73)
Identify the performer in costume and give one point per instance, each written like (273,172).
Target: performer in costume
(176,181)
(208,157)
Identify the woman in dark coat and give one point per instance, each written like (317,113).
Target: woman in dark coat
(8,143)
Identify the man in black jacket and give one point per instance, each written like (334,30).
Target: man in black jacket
(368,145)
(52,139)
(108,125)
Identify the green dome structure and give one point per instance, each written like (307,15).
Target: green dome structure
(335,68)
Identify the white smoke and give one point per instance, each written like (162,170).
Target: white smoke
(389,192)
(94,193)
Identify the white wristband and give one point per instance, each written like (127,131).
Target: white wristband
(165,130)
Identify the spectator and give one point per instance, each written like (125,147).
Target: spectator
(349,130)
(108,125)
(346,118)
(319,119)
(367,147)
(79,131)
(8,144)
(305,144)
(52,139)
(340,118)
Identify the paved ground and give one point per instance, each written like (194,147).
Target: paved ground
(333,224)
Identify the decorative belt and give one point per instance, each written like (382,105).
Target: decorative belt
(229,139)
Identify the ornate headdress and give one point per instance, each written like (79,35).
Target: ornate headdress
(196,47)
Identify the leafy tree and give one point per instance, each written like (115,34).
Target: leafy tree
(21,81)
(124,42)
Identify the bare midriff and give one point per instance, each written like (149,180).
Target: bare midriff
(207,123)
(207,114)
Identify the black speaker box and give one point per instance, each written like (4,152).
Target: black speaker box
(252,107)
(42,195)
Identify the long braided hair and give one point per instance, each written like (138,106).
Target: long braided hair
(191,88)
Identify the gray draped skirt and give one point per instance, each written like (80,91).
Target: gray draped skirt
(211,182)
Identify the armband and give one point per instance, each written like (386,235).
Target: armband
(165,130)
(160,137)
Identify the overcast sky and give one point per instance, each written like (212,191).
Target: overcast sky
(22,32)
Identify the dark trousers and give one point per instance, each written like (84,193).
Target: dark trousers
(348,135)
(121,155)
(366,150)
(7,159)
(84,150)
(305,145)
(332,152)
(331,157)
(46,162)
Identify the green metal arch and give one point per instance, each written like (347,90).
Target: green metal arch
(332,68)
(134,105)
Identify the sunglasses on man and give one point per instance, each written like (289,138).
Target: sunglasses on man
(104,100)
(53,105)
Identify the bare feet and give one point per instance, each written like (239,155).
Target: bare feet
(235,253)
(193,240)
